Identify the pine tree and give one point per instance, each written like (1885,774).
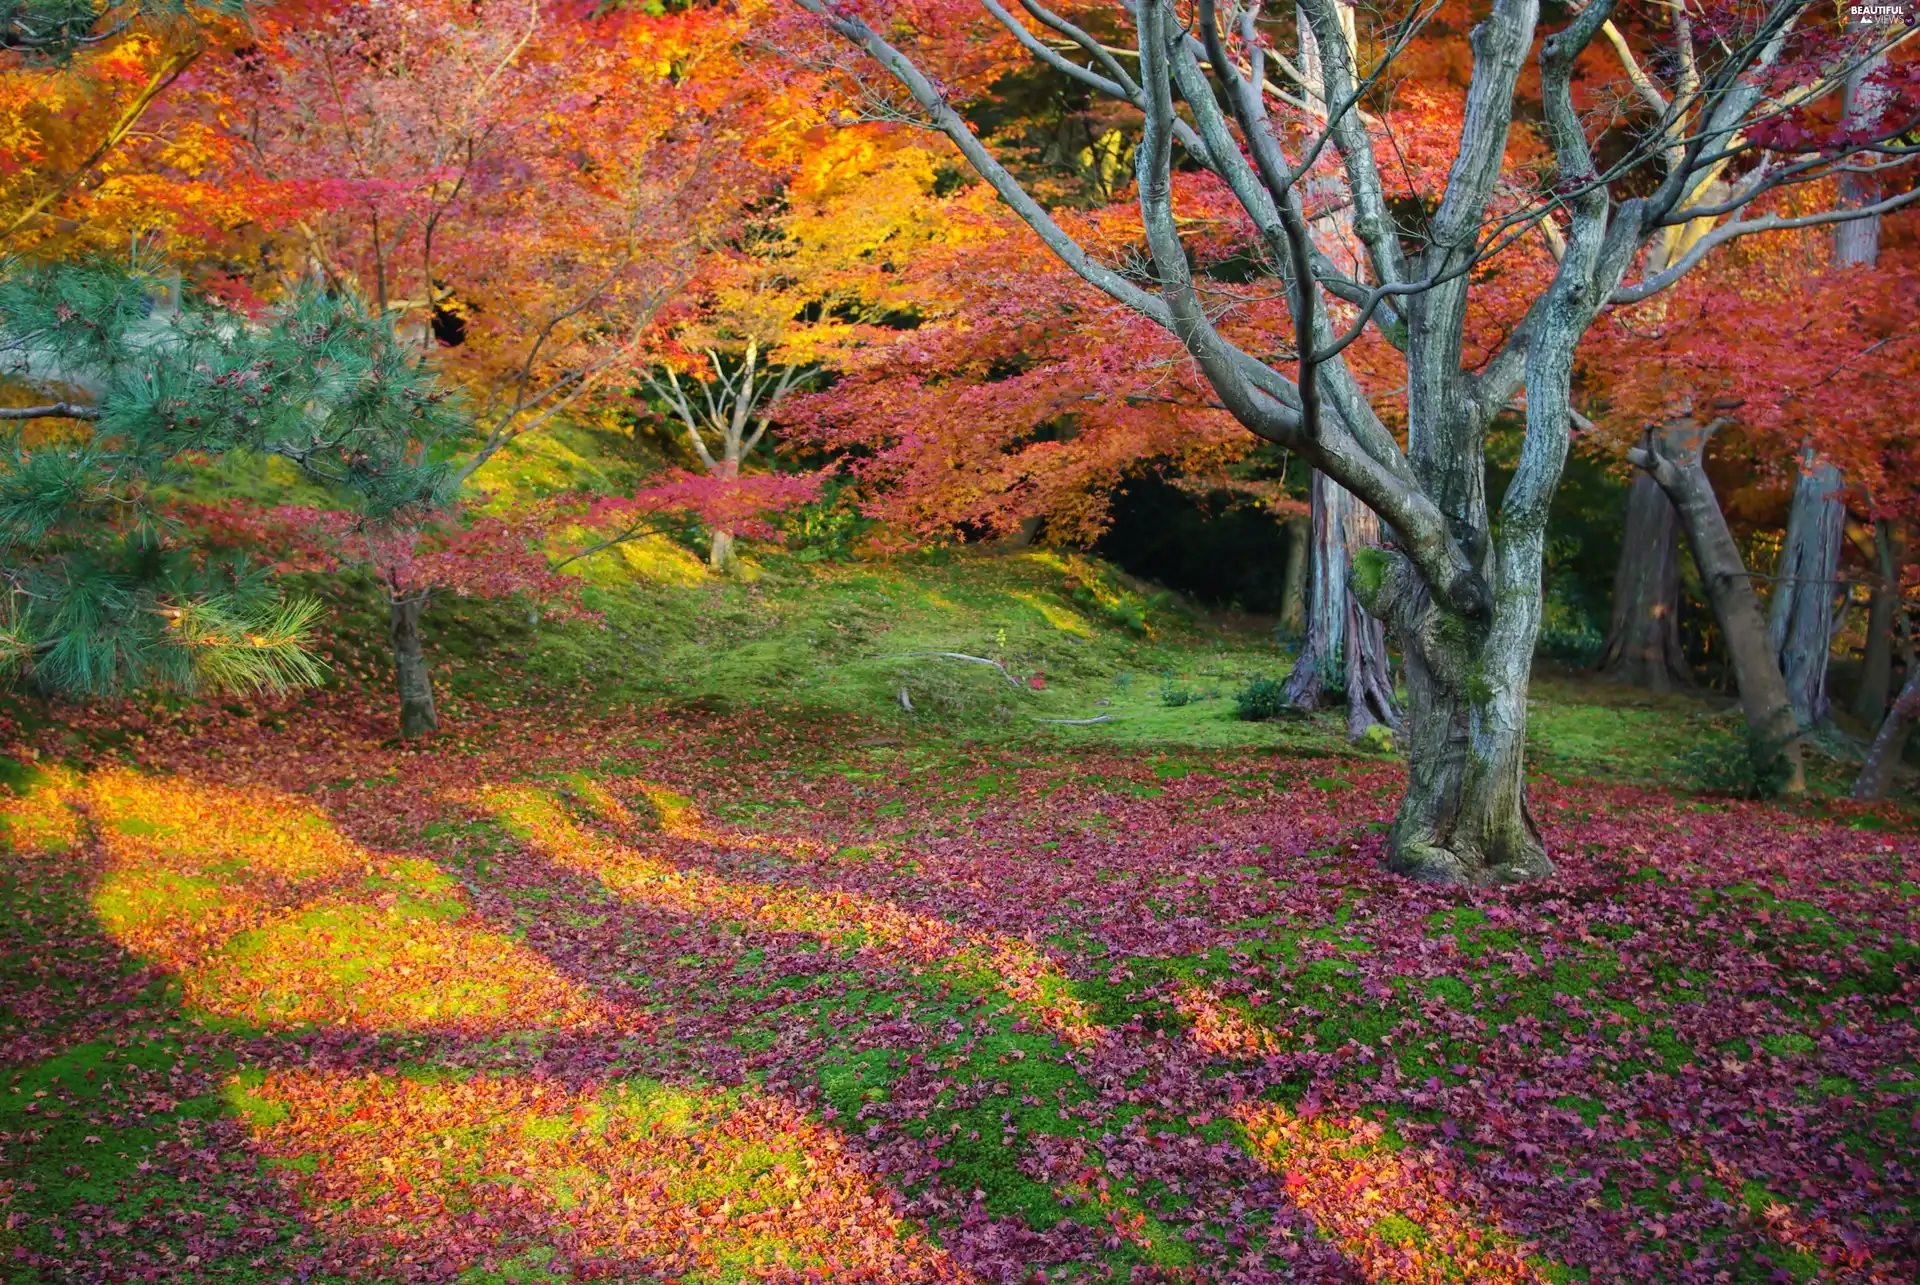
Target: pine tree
(106,591)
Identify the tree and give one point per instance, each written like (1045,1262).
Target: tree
(456,550)
(1801,611)
(105,595)
(1460,591)
(1677,463)
(726,417)
(518,189)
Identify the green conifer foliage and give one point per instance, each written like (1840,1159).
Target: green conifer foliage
(105,590)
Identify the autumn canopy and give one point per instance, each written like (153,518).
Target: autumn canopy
(959,640)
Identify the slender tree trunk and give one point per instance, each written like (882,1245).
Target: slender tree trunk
(1369,671)
(1293,581)
(1876,776)
(412,679)
(1800,617)
(1643,643)
(1330,650)
(720,554)
(1676,464)
(1876,665)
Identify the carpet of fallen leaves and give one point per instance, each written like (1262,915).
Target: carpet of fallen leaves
(713,998)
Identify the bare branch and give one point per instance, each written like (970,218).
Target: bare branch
(1747,227)
(54,410)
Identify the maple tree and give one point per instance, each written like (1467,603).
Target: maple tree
(518,188)
(1460,592)
(725,416)
(1804,356)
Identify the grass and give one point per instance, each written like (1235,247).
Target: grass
(692,953)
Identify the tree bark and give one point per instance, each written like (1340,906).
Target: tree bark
(1876,775)
(1800,616)
(1465,817)
(1676,464)
(413,681)
(720,554)
(1293,580)
(1643,642)
(1369,668)
(1876,665)
(1338,524)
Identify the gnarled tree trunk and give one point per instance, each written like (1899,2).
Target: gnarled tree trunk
(1800,616)
(413,681)
(1465,817)
(1643,642)
(1677,465)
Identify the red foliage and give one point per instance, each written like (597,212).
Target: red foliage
(1219,1024)
(469,552)
(738,504)
(1793,351)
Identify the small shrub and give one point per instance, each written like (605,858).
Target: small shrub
(826,530)
(1732,767)
(1173,696)
(1567,630)
(1378,737)
(1263,698)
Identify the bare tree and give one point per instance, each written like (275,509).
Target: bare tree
(726,417)
(1460,591)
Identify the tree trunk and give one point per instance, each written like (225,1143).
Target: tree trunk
(1876,665)
(1800,617)
(1330,653)
(720,552)
(1293,581)
(1676,464)
(1643,643)
(1369,670)
(1876,775)
(412,679)
(1464,818)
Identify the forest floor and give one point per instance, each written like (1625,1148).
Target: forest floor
(687,953)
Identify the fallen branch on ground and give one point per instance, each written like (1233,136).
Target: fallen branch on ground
(955,655)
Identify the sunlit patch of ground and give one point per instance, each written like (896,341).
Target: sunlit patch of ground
(1400,1216)
(37,818)
(635,1176)
(272,917)
(1015,967)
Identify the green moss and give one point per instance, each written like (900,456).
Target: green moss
(1370,568)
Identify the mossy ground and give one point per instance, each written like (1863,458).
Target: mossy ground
(829,646)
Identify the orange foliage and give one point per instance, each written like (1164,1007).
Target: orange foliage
(1399,1216)
(471,1172)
